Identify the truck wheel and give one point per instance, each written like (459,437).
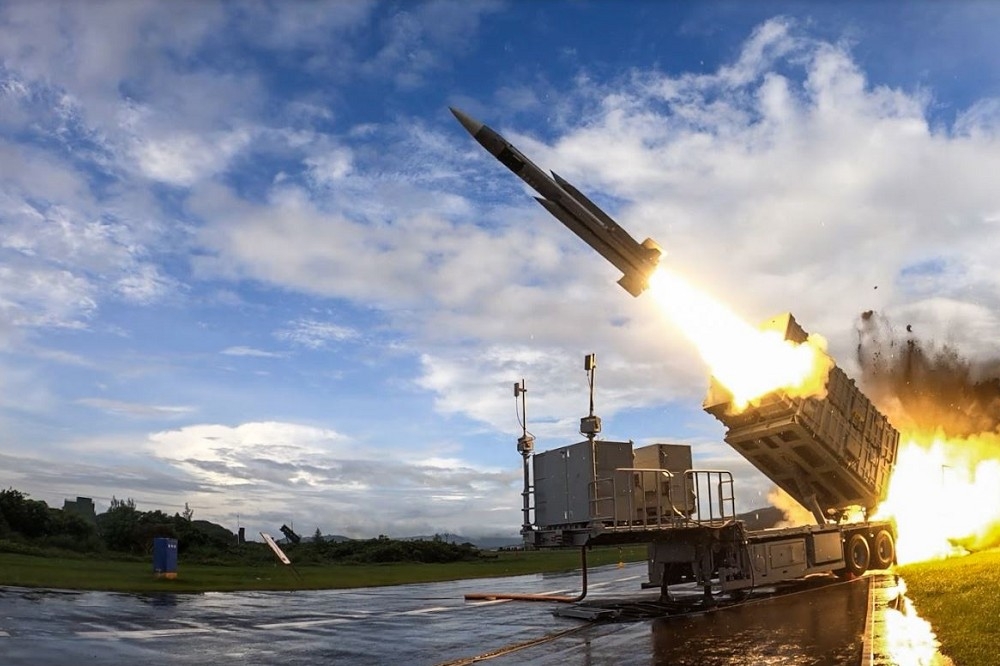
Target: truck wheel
(883,550)
(857,555)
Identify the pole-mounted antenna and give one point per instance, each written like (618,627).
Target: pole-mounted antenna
(525,446)
(526,442)
(590,425)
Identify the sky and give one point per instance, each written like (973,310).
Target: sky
(250,262)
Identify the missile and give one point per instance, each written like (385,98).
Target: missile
(636,261)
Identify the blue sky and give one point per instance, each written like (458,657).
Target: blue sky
(249,261)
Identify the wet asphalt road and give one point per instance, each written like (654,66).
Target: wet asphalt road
(422,624)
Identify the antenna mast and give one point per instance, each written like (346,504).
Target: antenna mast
(590,425)
(525,446)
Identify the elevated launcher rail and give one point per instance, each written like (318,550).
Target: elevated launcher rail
(828,453)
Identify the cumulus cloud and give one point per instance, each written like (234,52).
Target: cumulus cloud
(783,180)
(274,471)
(787,181)
(263,474)
(185,158)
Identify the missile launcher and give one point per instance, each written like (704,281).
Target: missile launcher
(828,453)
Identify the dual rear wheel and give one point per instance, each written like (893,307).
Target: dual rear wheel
(883,550)
(861,555)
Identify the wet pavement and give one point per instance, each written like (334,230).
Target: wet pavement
(895,633)
(430,624)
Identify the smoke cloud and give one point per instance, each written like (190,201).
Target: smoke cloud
(923,386)
(948,406)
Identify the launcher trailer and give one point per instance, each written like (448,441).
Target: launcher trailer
(832,454)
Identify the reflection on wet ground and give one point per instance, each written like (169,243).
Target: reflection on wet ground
(896,633)
(824,626)
(820,623)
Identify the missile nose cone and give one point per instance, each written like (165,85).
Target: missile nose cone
(471,125)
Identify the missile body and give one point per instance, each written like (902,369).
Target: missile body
(636,261)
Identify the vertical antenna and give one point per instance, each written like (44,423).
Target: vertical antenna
(590,425)
(525,446)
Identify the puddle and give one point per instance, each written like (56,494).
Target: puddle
(811,627)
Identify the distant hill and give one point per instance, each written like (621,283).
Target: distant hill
(483,543)
(762,519)
(758,519)
(336,538)
(214,530)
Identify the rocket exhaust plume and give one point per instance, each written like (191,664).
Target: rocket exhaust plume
(945,491)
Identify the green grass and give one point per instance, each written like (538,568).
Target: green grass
(130,576)
(960,597)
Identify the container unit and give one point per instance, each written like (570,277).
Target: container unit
(658,494)
(828,453)
(164,557)
(577,484)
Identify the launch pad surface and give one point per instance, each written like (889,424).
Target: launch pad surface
(424,624)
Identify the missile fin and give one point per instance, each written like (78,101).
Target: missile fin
(587,235)
(587,203)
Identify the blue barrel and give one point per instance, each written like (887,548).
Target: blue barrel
(165,557)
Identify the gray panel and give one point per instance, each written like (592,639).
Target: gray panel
(827,547)
(675,458)
(564,479)
(787,553)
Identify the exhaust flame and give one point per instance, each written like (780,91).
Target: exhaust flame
(748,361)
(945,490)
(944,496)
(944,493)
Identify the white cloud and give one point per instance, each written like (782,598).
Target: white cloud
(314,334)
(783,181)
(250,351)
(414,39)
(329,168)
(277,472)
(44,297)
(145,285)
(803,190)
(136,410)
(981,120)
(185,158)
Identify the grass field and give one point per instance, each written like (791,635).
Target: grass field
(125,576)
(960,597)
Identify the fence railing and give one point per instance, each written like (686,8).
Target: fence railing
(649,498)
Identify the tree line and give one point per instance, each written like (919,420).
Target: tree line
(122,528)
(126,530)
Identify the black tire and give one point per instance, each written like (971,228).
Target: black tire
(857,555)
(883,550)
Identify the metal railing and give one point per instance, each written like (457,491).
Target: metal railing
(636,498)
(715,499)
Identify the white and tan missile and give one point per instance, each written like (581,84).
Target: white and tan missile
(636,261)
